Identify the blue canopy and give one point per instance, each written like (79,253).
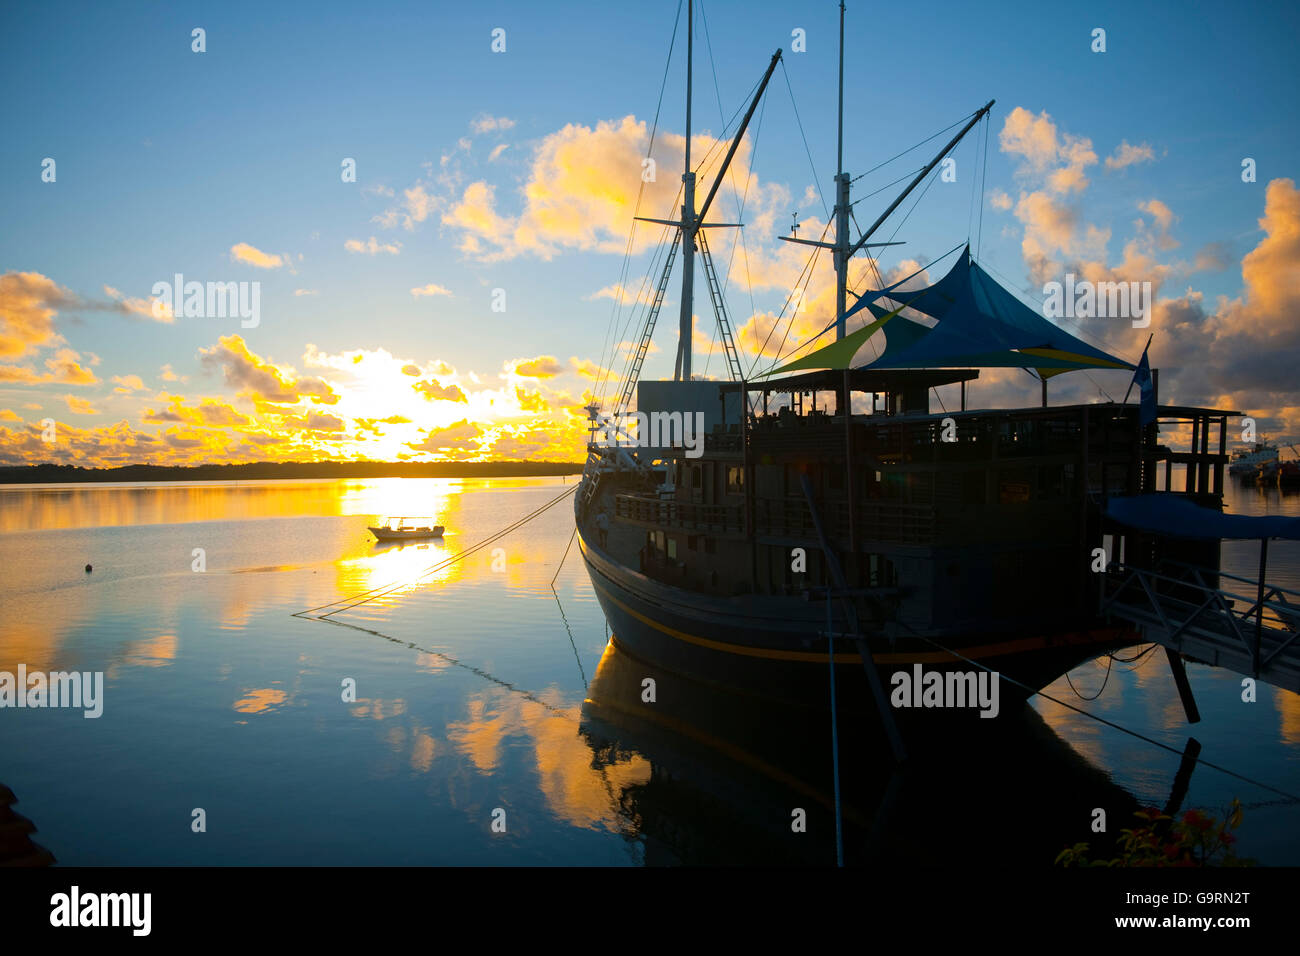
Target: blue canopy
(980,324)
(1179,517)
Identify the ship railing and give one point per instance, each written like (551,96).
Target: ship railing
(679,514)
(790,518)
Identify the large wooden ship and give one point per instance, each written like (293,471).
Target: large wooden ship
(831,513)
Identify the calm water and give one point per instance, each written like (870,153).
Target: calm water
(481,694)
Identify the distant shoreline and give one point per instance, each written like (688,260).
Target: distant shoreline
(55,474)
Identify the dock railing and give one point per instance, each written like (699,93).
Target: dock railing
(1180,608)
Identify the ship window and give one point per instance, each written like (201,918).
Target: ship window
(882,571)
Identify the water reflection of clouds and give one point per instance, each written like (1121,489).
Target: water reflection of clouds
(377,709)
(1288,709)
(544,729)
(157,651)
(260,700)
(576,793)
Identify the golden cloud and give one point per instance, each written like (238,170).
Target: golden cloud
(243,252)
(246,371)
(543,366)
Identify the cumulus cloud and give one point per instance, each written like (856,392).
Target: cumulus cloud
(434,391)
(128,383)
(1128,155)
(29,302)
(483,123)
(588,369)
(151,308)
(642,296)
(251,374)
(543,366)
(459,436)
(417,205)
(431,289)
(583,186)
(243,252)
(372,247)
(79,406)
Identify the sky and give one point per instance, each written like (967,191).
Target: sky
(474,284)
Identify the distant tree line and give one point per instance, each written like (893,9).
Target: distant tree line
(49,473)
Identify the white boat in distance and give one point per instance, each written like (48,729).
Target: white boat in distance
(393,529)
(1248,462)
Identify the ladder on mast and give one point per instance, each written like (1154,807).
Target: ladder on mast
(647,333)
(720,310)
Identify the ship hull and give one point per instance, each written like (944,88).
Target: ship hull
(777,649)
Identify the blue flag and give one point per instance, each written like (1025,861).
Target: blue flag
(1146,386)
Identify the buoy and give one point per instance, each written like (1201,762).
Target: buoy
(88,569)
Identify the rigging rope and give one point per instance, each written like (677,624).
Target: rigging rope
(1109,723)
(811,164)
(910,148)
(984,168)
(631,237)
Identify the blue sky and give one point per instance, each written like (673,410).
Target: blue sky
(166,159)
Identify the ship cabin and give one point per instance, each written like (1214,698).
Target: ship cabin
(952,517)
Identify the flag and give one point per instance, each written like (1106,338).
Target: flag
(1146,386)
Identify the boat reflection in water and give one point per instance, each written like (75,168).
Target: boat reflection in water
(730,773)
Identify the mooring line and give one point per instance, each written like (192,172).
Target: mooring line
(572,643)
(565,557)
(454,662)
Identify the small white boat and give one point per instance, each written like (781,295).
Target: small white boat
(405,528)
